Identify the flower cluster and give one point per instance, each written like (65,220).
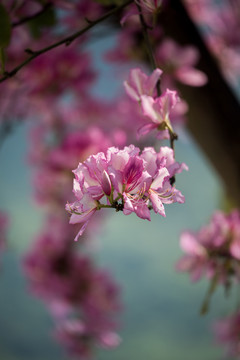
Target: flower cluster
(214,250)
(82,298)
(157,109)
(125,180)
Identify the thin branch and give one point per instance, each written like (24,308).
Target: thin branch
(67,41)
(148,46)
(212,287)
(5,129)
(32,17)
(146,38)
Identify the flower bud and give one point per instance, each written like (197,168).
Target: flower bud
(106,183)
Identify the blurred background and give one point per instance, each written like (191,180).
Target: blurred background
(160,316)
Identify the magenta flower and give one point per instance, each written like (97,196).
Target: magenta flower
(139,84)
(125,180)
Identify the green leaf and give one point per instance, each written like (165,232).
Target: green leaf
(5,27)
(2,60)
(46,20)
(110,2)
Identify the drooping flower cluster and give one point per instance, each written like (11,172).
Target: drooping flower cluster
(214,250)
(82,298)
(125,180)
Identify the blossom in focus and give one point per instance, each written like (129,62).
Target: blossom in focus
(140,84)
(214,250)
(125,180)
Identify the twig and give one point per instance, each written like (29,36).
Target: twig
(146,38)
(148,45)
(32,17)
(212,287)
(67,41)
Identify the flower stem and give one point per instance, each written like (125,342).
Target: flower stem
(148,45)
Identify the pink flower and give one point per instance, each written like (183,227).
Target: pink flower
(214,249)
(227,332)
(158,111)
(150,6)
(140,84)
(83,299)
(179,61)
(71,66)
(4,221)
(130,180)
(80,338)
(81,211)
(196,257)
(125,180)
(162,167)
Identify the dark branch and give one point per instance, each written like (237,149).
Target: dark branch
(65,41)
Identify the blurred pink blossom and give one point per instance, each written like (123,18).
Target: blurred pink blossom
(227,332)
(214,250)
(4,222)
(179,61)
